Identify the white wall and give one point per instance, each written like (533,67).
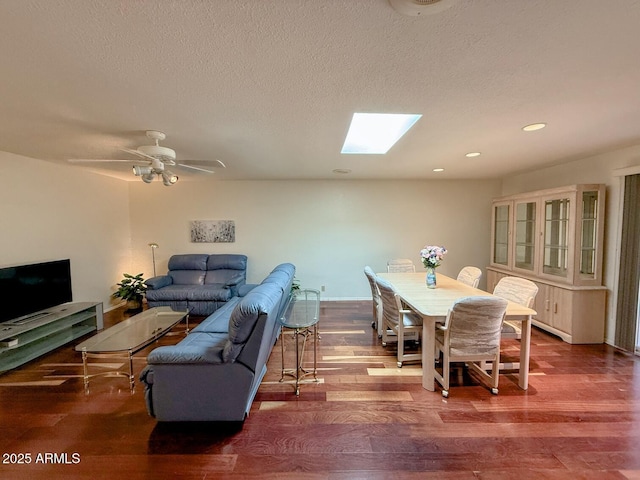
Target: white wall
(329,229)
(594,169)
(50,212)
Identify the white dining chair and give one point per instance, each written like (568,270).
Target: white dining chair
(471,334)
(400,265)
(399,320)
(517,290)
(470,276)
(377,322)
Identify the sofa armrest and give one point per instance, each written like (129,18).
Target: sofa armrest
(246,288)
(156,283)
(189,354)
(235,280)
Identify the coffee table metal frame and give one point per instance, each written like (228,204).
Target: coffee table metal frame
(301,315)
(123,340)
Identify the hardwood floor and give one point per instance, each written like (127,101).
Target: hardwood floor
(364,419)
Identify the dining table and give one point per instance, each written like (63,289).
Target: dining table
(433,304)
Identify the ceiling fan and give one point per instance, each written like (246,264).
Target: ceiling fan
(153,160)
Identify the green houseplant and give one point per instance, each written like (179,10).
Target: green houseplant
(131,288)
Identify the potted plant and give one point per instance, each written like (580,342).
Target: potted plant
(131,289)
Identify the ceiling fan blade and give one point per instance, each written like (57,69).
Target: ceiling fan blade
(218,163)
(138,153)
(195,168)
(95,160)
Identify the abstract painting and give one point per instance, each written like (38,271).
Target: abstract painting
(213,231)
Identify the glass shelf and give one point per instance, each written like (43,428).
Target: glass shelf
(525,242)
(556,237)
(501,234)
(554,234)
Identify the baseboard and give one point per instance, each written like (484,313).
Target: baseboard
(344,299)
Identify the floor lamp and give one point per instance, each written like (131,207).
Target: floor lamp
(153,256)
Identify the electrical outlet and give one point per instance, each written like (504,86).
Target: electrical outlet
(322,288)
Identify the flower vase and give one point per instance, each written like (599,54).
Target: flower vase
(431,277)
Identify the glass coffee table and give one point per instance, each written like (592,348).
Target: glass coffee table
(128,337)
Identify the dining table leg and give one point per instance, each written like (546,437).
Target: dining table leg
(525,345)
(428,351)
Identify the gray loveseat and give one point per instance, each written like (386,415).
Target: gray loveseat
(197,282)
(213,374)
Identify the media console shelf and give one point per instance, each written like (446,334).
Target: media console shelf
(29,337)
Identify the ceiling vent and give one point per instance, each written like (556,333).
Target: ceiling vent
(415,8)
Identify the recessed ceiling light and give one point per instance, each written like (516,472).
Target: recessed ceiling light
(533,127)
(376,133)
(341,171)
(472,154)
(438,169)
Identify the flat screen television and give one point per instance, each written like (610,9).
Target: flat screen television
(27,289)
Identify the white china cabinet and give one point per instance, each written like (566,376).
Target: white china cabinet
(555,238)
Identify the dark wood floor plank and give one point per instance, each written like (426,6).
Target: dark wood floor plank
(364,419)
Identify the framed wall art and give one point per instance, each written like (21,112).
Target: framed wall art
(213,231)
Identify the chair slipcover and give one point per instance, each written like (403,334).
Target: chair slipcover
(400,265)
(397,319)
(470,276)
(375,296)
(516,290)
(471,334)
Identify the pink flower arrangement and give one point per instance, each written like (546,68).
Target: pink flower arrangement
(432,255)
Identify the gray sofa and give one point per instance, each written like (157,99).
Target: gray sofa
(200,283)
(213,374)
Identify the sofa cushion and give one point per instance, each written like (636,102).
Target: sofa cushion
(190,293)
(189,261)
(218,321)
(280,278)
(284,267)
(227,262)
(203,308)
(246,288)
(209,293)
(197,347)
(187,277)
(230,269)
(226,277)
(156,283)
(261,300)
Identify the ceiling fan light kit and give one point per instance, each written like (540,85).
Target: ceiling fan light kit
(148,172)
(139,170)
(169,178)
(156,158)
(147,178)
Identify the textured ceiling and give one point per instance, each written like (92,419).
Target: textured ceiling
(269,86)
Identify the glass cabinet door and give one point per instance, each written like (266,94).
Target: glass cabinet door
(501,234)
(588,230)
(525,241)
(556,237)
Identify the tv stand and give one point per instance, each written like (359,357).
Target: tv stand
(27,319)
(25,338)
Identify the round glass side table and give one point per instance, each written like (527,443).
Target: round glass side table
(301,315)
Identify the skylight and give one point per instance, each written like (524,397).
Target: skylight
(376,133)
